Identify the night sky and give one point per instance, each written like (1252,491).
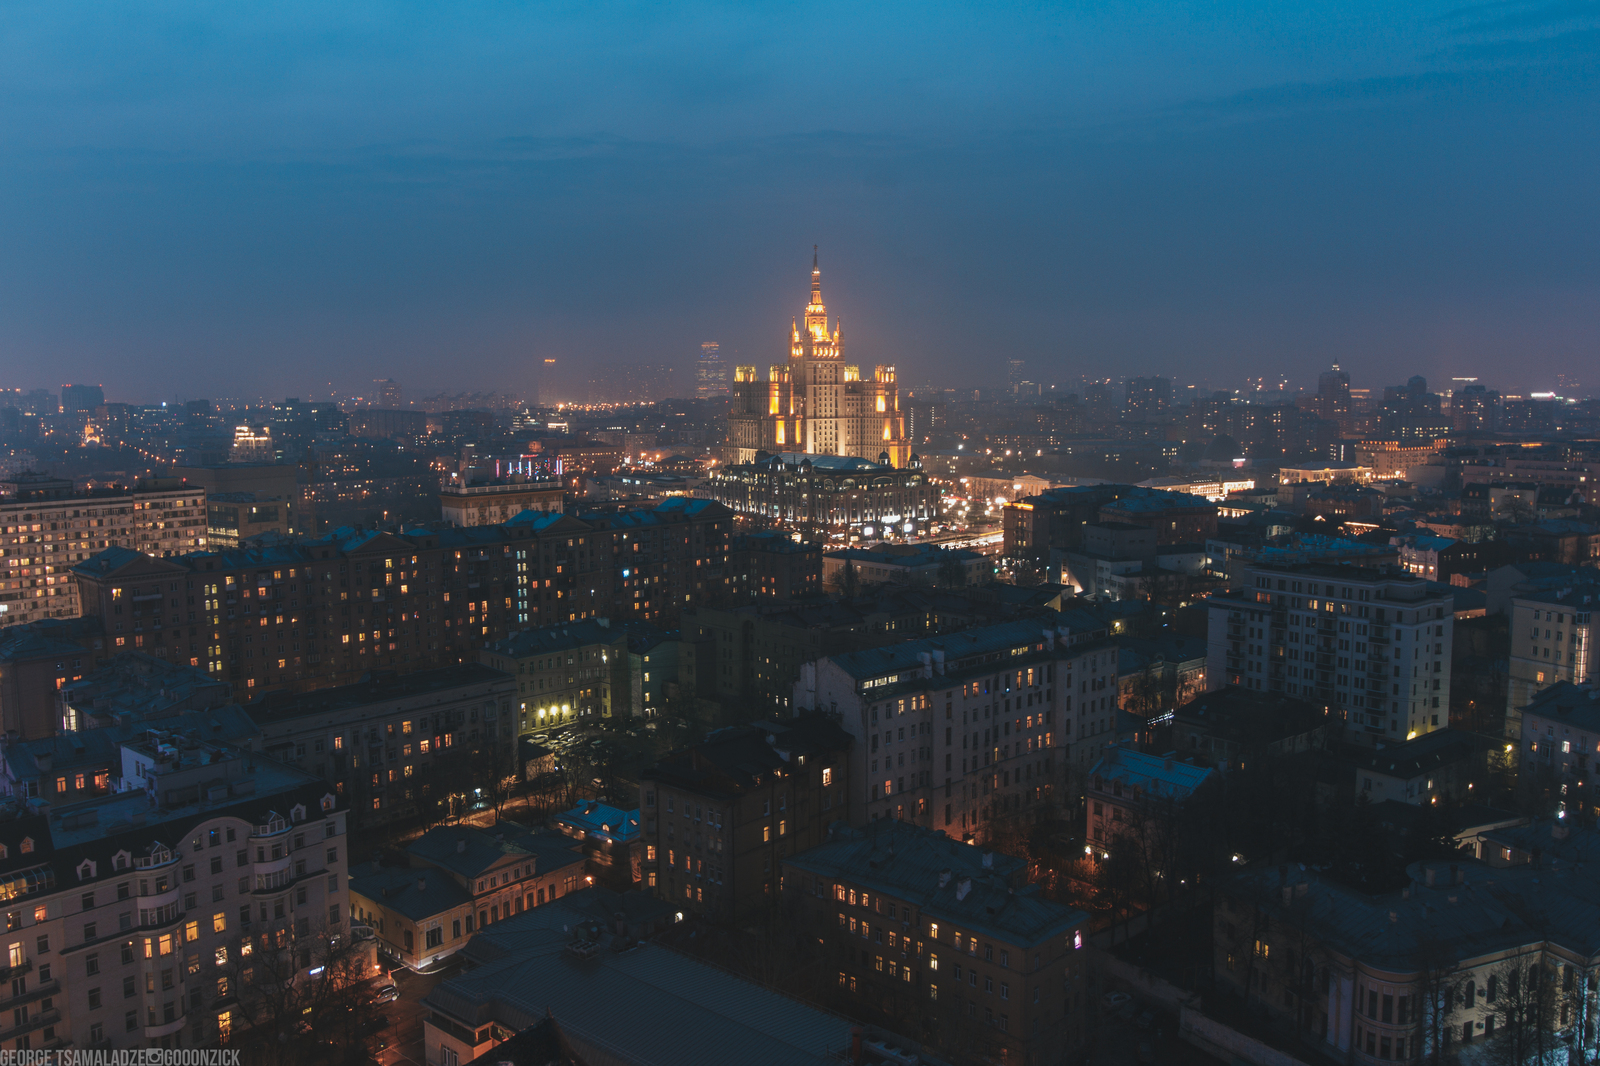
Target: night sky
(295,198)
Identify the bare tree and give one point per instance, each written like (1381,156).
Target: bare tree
(1436,999)
(301,990)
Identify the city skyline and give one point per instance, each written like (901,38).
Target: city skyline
(1243,190)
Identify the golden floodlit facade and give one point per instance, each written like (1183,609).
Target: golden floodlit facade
(815,404)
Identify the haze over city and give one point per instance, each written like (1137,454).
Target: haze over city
(296,200)
(800,534)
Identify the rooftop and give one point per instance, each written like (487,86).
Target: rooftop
(413,893)
(600,820)
(381,688)
(731,761)
(1157,775)
(967,643)
(1422,755)
(946,880)
(1566,702)
(1250,717)
(646,1005)
(547,639)
(468,851)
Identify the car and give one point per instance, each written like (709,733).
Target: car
(386,994)
(1116,1000)
(1145,1020)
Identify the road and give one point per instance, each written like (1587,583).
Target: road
(404,1035)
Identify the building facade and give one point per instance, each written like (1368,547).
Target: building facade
(1553,637)
(1372,644)
(46,528)
(489,503)
(718,819)
(565,674)
(154,915)
(976,724)
(815,404)
(457,881)
(946,939)
(331,610)
(378,743)
(837,493)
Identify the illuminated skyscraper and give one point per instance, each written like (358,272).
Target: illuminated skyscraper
(710,373)
(814,403)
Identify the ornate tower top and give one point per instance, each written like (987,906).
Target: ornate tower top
(816,312)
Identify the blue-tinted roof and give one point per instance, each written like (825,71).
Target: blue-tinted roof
(1158,776)
(603,820)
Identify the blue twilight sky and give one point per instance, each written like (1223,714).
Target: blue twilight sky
(290,199)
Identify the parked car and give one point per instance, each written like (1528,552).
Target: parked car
(386,994)
(1116,1000)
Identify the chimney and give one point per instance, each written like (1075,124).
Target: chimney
(963,887)
(944,877)
(1455,874)
(461,846)
(1288,895)
(855,1045)
(1429,876)
(422,884)
(988,860)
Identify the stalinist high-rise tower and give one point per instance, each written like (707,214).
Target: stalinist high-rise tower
(815,404)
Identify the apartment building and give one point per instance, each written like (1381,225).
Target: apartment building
(36,660)
(1465,954)
(153,916)
(378,742)
(719,818)
(1560,746)
(565,673)
(47,527)
(459,880)
(1553,636)
(945,939)
(74,766)
(979,723)
(493,501)
(1126,788)
(328,611)
(1371,643)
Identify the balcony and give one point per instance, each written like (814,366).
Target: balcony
(37,1021)
(48,988)
(156,1032)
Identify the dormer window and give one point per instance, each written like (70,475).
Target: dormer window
(297,813)
(27,845)
(86,870)
(121,860)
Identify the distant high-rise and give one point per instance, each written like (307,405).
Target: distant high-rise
(1148,400)
(197,413)
(1013,374)
(1333,398)
(710,373)
(81,398)
(814,403)
(388,393)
